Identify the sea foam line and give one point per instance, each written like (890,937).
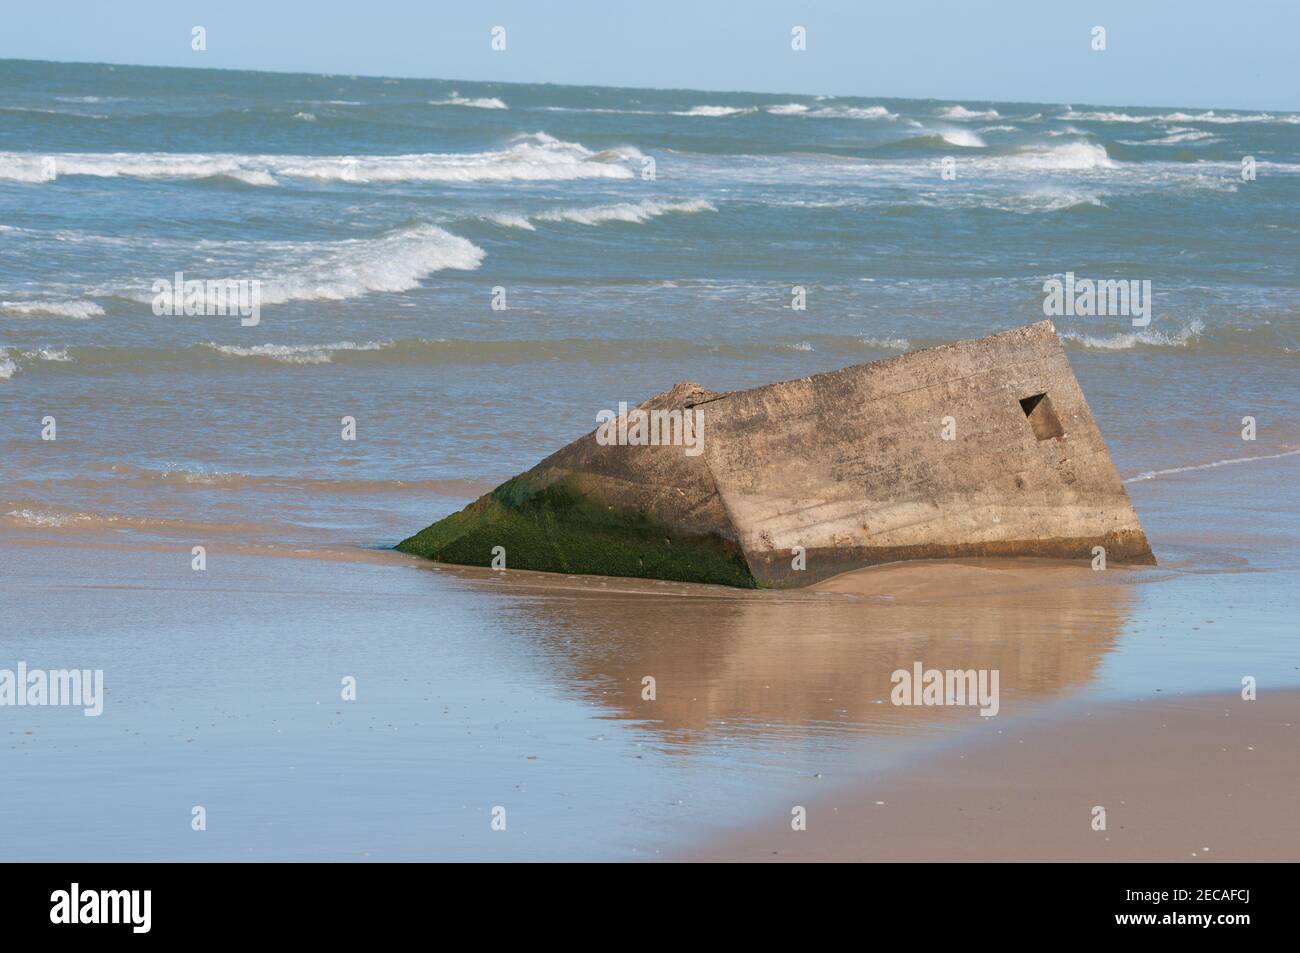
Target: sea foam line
(1152,474)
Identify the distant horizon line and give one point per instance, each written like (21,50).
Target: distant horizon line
(656,89)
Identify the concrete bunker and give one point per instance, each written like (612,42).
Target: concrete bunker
(801,480)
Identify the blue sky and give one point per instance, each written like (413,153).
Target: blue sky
(1159,52)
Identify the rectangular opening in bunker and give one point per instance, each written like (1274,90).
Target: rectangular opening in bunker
(1042,417)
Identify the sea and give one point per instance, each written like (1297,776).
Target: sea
(453,279)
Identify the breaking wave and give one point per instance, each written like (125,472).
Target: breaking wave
(852,112)
(630,212)
(715,112)
(961,112)
(293,353)
(1208,116)
(13,359)
(962,138)
(1068,156)
(77,310)
(456,99)
(531,157)
(1146,338)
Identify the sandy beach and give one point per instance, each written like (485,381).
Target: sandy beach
(1197,778)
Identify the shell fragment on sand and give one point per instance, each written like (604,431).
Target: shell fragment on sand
(975,448)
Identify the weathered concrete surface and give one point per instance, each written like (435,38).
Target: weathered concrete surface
(851,465)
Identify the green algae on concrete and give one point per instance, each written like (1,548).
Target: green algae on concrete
(558,528)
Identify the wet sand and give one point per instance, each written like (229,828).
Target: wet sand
(1197,778)
(527,690)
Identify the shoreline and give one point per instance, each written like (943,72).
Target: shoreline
(1188,778)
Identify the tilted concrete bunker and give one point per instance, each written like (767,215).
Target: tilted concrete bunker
(976,448)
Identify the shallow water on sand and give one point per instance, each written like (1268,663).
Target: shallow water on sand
(479,690)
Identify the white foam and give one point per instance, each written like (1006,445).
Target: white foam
(1209,116)
(293,353)
(962,138)
(961,112)
(1177,136)
(28,517)
(1068,156)
(531,157)
(715,112)
(887,344)
(9,360)
(1147,337)
(509,220)
(1152,474)
(853,112)
(632,212)
(340,270)
(78,310)
(335,271)
(456,99)
(787,109)
(1034,201)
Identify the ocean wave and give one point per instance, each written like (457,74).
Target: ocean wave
(932,140)
(1068,156)
(44,516)
(630,212)
(531,157)
(77,310)
(293,353)
(852,112)
(14,359)
(61,113)
(791,109)
(337,270)
(886,344)
(423,352)
(181,476)
(962,138)
(456,99)
(715,112)
(1209,116)
(394,262)
(1176,136)
(1021,203)
(961,112)
(787,109)
(1146,338)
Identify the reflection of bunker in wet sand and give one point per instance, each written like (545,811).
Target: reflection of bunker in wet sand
(821,659)
(973,449)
